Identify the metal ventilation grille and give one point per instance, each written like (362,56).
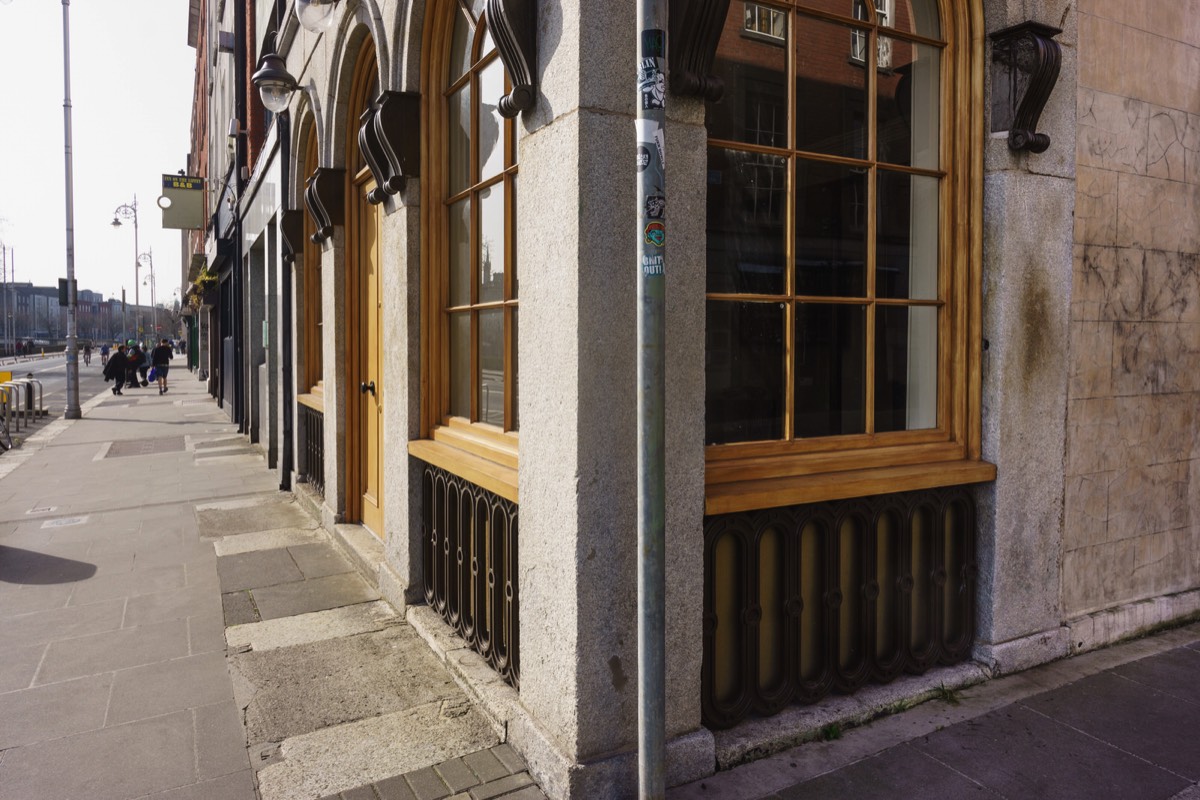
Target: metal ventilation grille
(802,601)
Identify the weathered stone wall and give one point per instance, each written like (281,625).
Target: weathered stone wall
(1132,521)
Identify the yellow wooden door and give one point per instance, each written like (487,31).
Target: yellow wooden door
(371,366)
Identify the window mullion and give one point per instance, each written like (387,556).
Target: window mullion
(872,220)
(789,245)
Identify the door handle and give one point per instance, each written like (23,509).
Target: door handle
(367,387)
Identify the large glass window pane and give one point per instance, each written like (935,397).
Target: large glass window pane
(491,124)
(905,368)
(753,65)
(460,47)
(908,105)
(460,365)
(830,91)
(915,16)
(491,366)
(906,252)
(744,372)
(830,369)
(459,248)
(747,215)
(459,140)
(831,229)
(491,244)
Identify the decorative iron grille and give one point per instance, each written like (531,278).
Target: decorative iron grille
(802,601)
(312,463)
(470,559)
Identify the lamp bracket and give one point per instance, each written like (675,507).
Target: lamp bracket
(291,228)
(1026,60)
(390,140)
(695,32)
(513,25)
(324,197)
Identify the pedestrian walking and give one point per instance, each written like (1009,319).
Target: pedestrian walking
(104,351)
(87,354)
(136,363)
(117,369)
(160,358)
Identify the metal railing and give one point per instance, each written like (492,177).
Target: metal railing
(470,561)
(802,601)
(312,448)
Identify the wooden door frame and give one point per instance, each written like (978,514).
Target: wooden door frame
(354,331)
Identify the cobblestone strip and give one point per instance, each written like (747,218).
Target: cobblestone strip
(495,773)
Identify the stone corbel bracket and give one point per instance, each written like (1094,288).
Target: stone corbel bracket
(325,199)
(695,32)
(1031,56)
(291,228)
(390,142)
(513,24)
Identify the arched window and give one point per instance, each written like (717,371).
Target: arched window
(471,257)
(310,308)
(841,249)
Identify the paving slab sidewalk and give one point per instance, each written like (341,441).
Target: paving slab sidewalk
(1114,723)
(129,541)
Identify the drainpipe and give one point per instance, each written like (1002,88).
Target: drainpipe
(237,287)
(651,392)
(284,128)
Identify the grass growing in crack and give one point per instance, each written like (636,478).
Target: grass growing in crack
(831,732)
(950,696)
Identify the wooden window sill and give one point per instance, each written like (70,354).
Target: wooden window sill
(314,400)
(498,478)
(734,496)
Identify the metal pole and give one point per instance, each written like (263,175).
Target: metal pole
(137,278)
(652,237)
(4,256)
(73,411)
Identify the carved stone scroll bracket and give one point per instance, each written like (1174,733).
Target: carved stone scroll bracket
(372,151)
(325,199)
(513,24)
(391,142)
(1026,60)
(695,32)
(291,227)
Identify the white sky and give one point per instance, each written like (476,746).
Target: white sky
(131,95)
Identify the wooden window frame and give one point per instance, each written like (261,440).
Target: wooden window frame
(483,453)
(312,368)
(764,474)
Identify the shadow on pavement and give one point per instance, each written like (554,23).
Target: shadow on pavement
(30,567)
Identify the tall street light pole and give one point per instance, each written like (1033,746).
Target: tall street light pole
(148,257)
(129,211)
(651,253)
(72,411)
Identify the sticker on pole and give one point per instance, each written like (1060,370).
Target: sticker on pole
(652,265)
(652,84)
(656,234)
(656,206)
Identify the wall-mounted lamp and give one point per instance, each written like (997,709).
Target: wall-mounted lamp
(315,15)
(1025,65)
(275,84)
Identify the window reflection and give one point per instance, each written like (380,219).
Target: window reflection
(823,207)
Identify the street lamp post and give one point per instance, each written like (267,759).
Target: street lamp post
(73,410)
(129,211)
(148,257)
